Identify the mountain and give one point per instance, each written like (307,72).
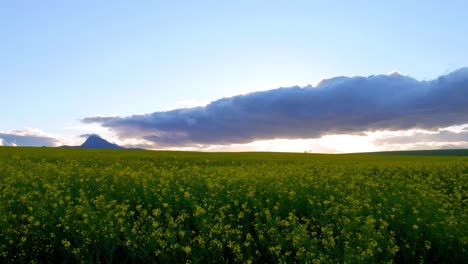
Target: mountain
(95,141)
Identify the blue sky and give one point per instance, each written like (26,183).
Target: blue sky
(62,61)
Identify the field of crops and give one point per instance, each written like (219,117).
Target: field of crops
(107,206)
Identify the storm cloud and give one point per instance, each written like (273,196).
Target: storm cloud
(27,137)
(340,105)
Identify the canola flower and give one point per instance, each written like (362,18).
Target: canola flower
(92,206)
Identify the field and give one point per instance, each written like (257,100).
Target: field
(75,205)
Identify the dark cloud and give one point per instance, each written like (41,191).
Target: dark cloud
(340,105)
(27,138)
(98,119)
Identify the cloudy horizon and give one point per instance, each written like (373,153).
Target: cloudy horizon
(297,119)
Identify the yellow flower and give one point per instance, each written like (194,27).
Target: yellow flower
(66,243)
(240,215)
(187,249)
(427,244)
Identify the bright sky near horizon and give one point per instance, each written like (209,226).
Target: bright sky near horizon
(64,61)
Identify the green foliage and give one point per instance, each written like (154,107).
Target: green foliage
(74,205)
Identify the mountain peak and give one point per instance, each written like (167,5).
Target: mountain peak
(95,141)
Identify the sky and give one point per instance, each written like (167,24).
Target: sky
(204,75)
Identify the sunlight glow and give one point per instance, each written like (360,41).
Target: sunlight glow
(341,143)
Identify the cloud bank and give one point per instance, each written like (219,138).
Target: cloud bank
(28,137)
(340,105)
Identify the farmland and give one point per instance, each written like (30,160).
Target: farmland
(109,206)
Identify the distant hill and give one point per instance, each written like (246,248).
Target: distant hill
(96,142)
(435,152)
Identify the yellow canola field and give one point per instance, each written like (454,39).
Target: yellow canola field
(115,206)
